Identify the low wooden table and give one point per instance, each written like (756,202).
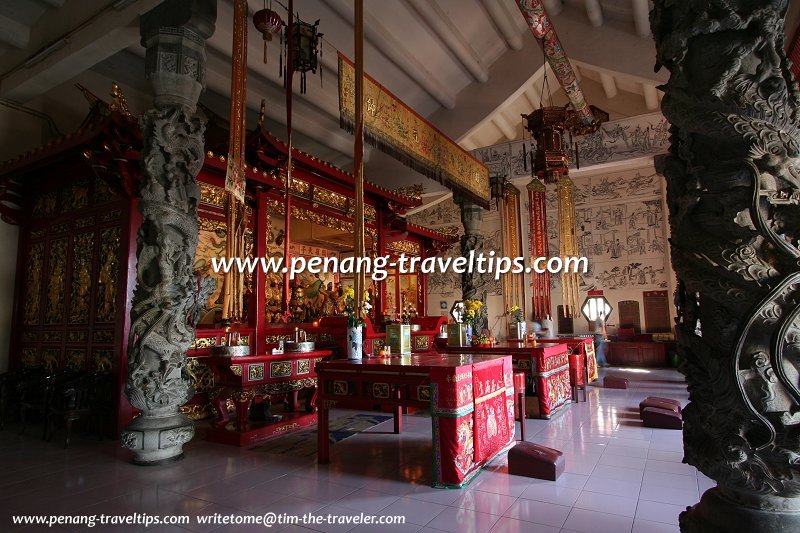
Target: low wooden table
(470,397)
(547,366)
(242,379)
(582,362)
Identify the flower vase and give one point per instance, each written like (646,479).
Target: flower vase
(468,336)
(354,342)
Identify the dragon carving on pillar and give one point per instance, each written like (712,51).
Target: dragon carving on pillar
(733,186)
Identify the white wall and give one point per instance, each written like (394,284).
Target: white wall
(621,201)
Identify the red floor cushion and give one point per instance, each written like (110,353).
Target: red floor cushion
(534,460)
(659,403)
(611,382)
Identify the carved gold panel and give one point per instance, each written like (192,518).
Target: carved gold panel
(300,188)
(280,369)
(303,366)
(236,370)
(212,195)
(64,227)
(200,375)
(204,342)
(52,336)
(50,359)
(111,216)
(75,359)
(340,388)
(424,393)
(406,247)
(380,390)
(44,205)
(330,198)
(103,335)
(56,283)
(102,191)
(107,282)
(102,360)
(378,345)
(30,358)
(39,233)
(82,247)
(198,411)
(75,195)
(83,223)
(30,336)
(421,343)
(78,336)
(33,283)
(255,372)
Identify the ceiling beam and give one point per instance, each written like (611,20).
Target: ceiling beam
(650,96)
(397,52)
(105,33)
(609,85)
(501,19)
(594,12)
(641,17)
(553,7)
(502,124)
(14,33)
(443,29)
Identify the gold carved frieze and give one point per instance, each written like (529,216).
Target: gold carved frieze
(38,233)
(255,372)
(301,188)
(405,247)
(209,224)
(56,283)
(330,198)
(83,223)
(75,196)
(280,369)
(75,359)
(82,246)
(381,390)
(102,191)
(30,336)
(212,195)
(282,387)
(64,227)
(236,370)
(369,212)
(340,387)
(413,192)
(198,411)
(107,282)
(200,375)
(103,335)
(203,342)
(101,360)
(33,283)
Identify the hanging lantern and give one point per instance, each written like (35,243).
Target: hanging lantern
(548,126)
(305,49)
(498,186)
(267,22)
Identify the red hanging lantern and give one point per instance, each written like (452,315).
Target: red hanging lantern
(267,22)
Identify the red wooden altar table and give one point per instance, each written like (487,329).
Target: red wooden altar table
(470,397)
(581,350)
(548,366)
(242,379)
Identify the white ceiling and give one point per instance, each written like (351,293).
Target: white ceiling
(470,66)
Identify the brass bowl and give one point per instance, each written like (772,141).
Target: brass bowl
(231,351)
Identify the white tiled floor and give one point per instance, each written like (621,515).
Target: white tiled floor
(620,477)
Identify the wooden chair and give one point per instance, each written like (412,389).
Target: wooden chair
(85,396)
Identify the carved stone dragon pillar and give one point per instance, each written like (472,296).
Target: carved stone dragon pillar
(163,306)
(473,283)
(733,176)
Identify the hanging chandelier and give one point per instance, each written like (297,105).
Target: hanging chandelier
(306,50)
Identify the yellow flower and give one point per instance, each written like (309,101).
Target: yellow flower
(350,293)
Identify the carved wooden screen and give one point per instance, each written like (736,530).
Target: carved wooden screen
(629,315)
(70,260)
(656,312)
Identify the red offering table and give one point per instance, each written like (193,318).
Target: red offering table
(242,379)
(583,348)
(547,365)
(470,397)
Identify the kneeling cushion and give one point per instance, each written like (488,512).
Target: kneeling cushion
(653,417)
(610,382)
(534,460)
(659,403)
(676,403)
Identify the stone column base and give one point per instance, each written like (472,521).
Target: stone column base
(157,440)
(718,514)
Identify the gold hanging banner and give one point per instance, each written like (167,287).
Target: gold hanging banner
(568,244)
(395,129)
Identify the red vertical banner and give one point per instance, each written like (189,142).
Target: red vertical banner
(540,247)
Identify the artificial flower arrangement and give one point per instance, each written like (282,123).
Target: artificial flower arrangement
(516,313)
(472,312)
(355,319)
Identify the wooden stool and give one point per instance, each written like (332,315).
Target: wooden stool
(519,400)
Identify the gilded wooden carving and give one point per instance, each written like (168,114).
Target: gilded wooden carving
(30,357)
(255,372)
(200,375)
(56,283)
(75,359)
(44,205)
(82,247)
(50,359)
(33,284)
(103,335)
(75,195)
(101,360)
(280,369)
(107,282)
